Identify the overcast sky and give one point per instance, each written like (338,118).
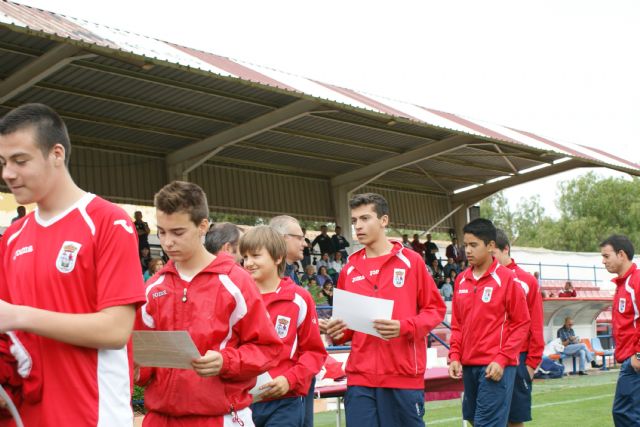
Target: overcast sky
(564,69)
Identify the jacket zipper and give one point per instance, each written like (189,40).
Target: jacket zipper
(184,295)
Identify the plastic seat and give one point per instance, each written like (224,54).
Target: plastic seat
(597,347)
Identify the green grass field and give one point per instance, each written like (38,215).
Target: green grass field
(570,401)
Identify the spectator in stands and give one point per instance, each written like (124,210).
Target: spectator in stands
(452,275)
(311,283)
(323,241)
(451,265)
(323,276)
(309,273)
(337,263)
(335,266)
(142,228)
(431,249)
(145,257)
(323,262)
(453,251)
(339,242)
(224,237)
(327,291)
(536,274)
(306,252)
(155,265)
(21,211)
(573,346)
(617,255)
(290,228)
(463,265)
(437,273)
(417,246)
(568,291)
(446,290)
(405,241)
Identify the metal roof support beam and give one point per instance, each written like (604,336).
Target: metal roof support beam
(444,218)
(38,69)
(473,196)
(340,196)
(365,175)
(195,154)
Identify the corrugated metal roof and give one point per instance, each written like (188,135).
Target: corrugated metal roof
(99,35)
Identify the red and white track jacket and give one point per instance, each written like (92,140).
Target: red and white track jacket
(399,362)
(626,330)
(534,343)
(490,319)
(222,310)
(293,314)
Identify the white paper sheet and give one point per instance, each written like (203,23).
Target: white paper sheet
(359,311)
(164,349)
(261,380)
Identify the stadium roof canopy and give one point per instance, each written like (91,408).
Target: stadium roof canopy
(142,112)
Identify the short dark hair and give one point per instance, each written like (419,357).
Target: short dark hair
(619,243)
(181,196)
(219,234)
(49,129)
(502,241)
(482,228)
(380,205)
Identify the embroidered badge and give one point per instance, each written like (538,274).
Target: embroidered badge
(486,295)
(622,304)
(68,256)
(282,326)
(398,277)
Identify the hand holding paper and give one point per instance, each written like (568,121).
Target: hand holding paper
(208,365)
(359,313)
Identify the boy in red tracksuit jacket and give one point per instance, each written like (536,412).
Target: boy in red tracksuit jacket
(533,345)
(385,377)
(617,252)
(489,323)
(213,299)
(281,401)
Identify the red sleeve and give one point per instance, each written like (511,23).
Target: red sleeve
(259,346)
(431,306)
(348,333)
(9,378)
(119,281)
(455,341)
(517,324)
(536,330)
(310,350)
(636,290)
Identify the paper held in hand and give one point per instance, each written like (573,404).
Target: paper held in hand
(359,311)
(164,349)
(260,381)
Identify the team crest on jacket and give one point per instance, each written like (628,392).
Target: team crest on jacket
(68,256)
(282,326)
(486,295)
(622,304)
(398,277)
